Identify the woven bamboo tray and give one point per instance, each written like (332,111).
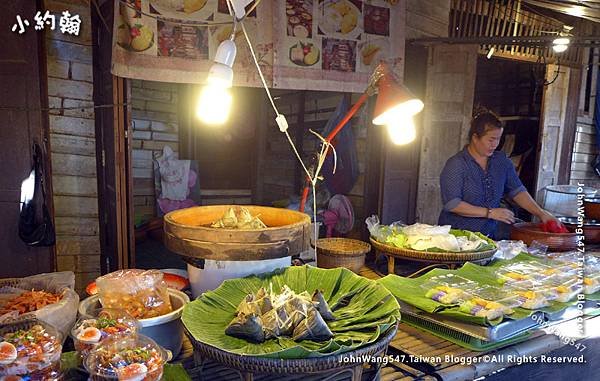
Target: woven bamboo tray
(448,257)
(259,365)
(431,256)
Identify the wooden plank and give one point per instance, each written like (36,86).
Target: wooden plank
(570,126)
(585,137)
(584,148)
(583,158)
(492,15)
(455,17)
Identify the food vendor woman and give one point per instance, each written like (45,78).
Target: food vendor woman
(475,180)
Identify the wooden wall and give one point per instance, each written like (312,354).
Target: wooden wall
(72,141)
(584,148)
(448,109)
(155,125)
(427,18)
(552,127)
(279,172)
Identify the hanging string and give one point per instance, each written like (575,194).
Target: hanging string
(313,178)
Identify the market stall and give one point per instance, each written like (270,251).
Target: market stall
(524,307)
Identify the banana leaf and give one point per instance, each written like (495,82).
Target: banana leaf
(398,239)
(370,312)
(410,290)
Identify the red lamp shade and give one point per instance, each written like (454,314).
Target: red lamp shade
(394,101)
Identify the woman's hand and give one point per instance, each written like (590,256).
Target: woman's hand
(502,215)
(545,216)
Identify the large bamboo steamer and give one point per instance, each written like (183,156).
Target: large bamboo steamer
(188,233)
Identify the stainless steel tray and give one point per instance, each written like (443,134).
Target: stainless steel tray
(505,330)
(502,331)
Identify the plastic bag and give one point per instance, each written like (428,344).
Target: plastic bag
(60,315)
(509,249)
(537,249)
(382,232)
(142,293)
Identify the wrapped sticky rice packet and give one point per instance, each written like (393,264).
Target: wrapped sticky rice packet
(532,296)
(448,288)
(491,302)
(529,274)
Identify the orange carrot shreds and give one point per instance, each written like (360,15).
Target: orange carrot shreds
(30,301)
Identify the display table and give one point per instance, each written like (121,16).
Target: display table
(420,349)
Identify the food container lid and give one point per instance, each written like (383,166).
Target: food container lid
(108,322)
(17,341)
(127,358)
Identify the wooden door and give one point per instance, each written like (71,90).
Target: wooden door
(451,72)
(554,106)
(22,96)
(113,147)
(401,163)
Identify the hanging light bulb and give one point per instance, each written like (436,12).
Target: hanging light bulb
(402,131)
(560,48)
(560,44)
(215,100)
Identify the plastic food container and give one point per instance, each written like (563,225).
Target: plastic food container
(448,288)
(532,295)
(89,332)
(30,350)
(127,358)
(527,274)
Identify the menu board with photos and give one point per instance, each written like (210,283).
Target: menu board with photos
(300,44)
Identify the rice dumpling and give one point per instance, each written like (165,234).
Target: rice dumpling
(321,305)
(312,328)
(247,327)
(272,324)
(249,306)
(267,315)
(242,220)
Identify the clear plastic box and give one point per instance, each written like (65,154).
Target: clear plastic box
(127,358)
(88,332)
(448,288)
(490,302)
(30,351)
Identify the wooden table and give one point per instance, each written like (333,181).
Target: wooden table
(418,350)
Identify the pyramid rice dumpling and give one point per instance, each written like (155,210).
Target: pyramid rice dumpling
(267,316)
(242,220)
(247,327)
(312,328)
(321,305)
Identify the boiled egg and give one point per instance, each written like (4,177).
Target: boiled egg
(8,353)
(89,335)
(133,372)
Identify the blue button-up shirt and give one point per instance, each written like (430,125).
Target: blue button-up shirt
(462,179)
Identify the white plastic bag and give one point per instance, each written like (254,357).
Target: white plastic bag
(60,315)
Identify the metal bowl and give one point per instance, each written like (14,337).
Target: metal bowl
(166,330)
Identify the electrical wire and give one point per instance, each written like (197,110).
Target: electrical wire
(324,148)
(63,108)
